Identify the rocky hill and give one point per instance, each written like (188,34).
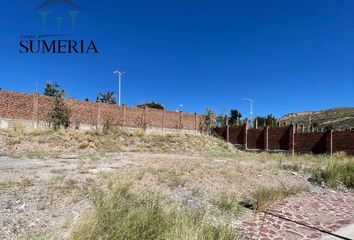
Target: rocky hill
(339,118)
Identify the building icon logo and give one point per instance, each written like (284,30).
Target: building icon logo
(59,20)
(49,11)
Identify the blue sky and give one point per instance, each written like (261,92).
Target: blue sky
(287,55)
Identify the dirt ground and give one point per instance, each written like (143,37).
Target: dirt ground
(44,198)
(49,180)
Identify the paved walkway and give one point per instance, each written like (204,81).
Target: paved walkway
(307,216)
(347,231)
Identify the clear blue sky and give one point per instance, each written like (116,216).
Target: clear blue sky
(289,55)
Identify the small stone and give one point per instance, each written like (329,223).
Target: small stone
(343,222)
(32,225)
(8,205)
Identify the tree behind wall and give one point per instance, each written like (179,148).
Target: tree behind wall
(329,128)
(221,120)
(235,117)
(208,122)
(267,121)
(53,90)
(107,97)
(271,121)
(152,104)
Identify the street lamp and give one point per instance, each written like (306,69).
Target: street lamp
(251,101)
(119,75)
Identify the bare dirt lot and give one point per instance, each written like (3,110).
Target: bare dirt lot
(264,196)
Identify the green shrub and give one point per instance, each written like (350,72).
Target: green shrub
(228,203)
(291,167)
(264,197)
(59,115)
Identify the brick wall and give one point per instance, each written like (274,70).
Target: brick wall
(22,108)
(237,134)
(278,138)
(311,142)
(343,141)
(255,139)
(33,107)
(221,132)
(284,138)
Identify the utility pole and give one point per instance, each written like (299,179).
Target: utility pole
(119,75)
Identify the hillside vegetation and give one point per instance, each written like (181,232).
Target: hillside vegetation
(339,118)
(96,143)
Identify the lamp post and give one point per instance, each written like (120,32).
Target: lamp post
(251,101)
(119,75)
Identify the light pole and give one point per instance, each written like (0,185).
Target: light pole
(119,75)
(251,101)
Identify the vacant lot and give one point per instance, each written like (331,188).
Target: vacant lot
(123,185)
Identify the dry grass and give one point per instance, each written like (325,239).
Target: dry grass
(121,213)
(263,197)
(82,169)
(174,178)
(42,143)
(61,185)
(24,183)
(6,185)
(335,172)
(197,195)
(228,202)
(331,170)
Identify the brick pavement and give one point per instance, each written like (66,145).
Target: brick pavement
(306,216)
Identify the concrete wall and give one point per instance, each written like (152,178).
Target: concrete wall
(30,125)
